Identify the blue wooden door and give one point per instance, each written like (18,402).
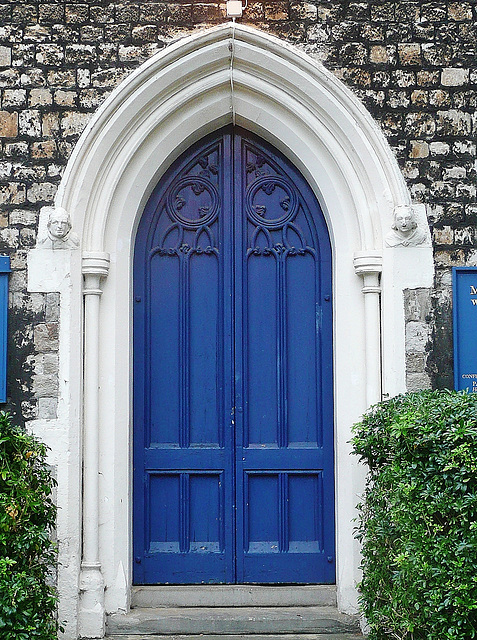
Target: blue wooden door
(233,407)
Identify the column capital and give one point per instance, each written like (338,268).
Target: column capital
(368,262)
(368,265)
(95,263)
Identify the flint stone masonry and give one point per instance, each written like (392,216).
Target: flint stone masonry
(411,63)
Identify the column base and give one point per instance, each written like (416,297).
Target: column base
(91,618)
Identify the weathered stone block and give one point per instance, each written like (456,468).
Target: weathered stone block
(144,33)
(22,217)
(80,53)
(416,362)
(50,124)
(45,336)
(454,77)
(418,381)
(24,13)
(45,385)
(62,79)
(12,193)
(52,309)
(40,97)
(453,123)
(379,54)
(154,12)
(37,33)
(102,13)
(419,149)
(409,54)
(45,149)
(51,12)
(76,13)
(127,12)
(303,11)
(42,192)
(14,98)
(465,236)
(420,124)
(47,408)
(92,33)
(445,235)
(29,123)
(34,78)
(417,336)
(73,123)
(65,98)
(459,11)
(50,54)
(417,305)
(5,56)
(92,98)
(398,99)
(8,124)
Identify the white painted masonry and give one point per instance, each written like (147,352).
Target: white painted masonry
(171,101)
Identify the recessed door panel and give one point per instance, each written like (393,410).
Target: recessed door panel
(233,433)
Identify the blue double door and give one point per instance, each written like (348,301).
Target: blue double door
(233,433)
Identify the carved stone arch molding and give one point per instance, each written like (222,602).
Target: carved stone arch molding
(171,101)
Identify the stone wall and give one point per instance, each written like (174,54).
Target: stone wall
(411,62)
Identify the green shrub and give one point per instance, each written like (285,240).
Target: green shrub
(418,517)
(27,554)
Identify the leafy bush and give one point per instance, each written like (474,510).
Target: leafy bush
(27,554)
(418,518)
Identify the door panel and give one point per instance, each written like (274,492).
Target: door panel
(233,449)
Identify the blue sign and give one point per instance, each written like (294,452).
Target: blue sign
(464,285)
(4,271)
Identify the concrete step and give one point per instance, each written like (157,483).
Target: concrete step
(233,596)
(262,636)
(232,621)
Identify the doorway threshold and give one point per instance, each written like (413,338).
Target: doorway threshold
(232,595)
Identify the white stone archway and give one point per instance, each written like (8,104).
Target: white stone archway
(174,99)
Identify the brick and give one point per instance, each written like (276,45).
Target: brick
(8,124)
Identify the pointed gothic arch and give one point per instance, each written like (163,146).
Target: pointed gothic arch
(188,90)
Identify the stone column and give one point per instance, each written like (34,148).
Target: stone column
(368,265)
(95,266)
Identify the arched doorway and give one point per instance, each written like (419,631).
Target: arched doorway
(233,391)
(173,100)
